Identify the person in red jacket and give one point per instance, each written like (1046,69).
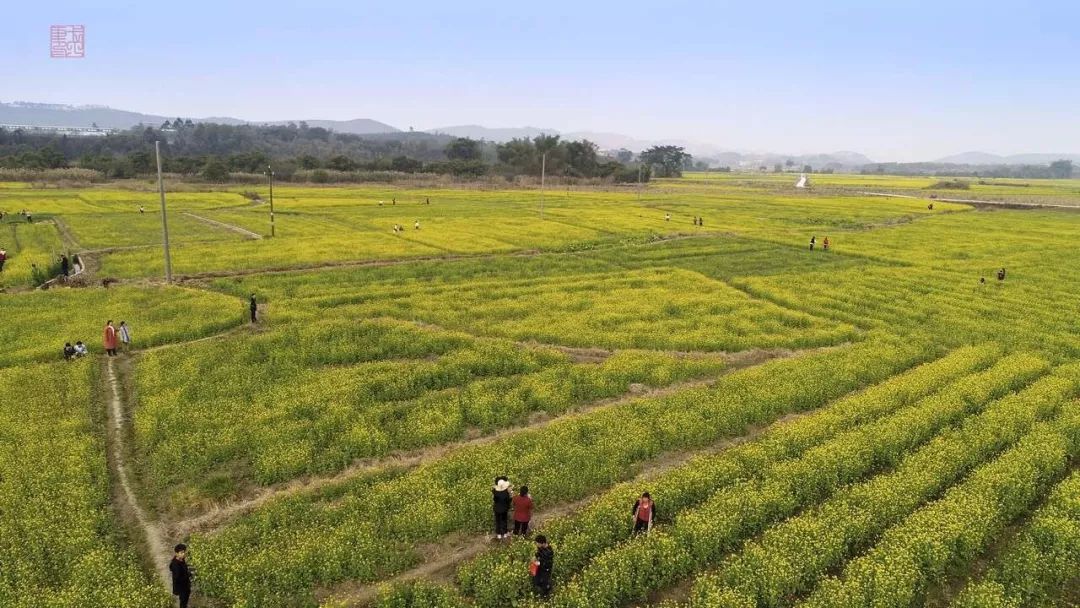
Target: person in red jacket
(109,339)
(523,504)
(644,512)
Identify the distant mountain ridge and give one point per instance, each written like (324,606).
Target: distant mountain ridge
(984,158)
(60,115)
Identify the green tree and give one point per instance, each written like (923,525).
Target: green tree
(463,148)
(215,170)
(668,161)
(1061,169)
(341,163)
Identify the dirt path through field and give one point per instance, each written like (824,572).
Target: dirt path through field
(231,227)
(213,519)
(156,547)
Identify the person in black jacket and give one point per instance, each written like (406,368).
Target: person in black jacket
(545,558)
(253,306)
(500,496)
(181,575)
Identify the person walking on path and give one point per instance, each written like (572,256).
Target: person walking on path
(500,505)
(125,334)
(181,575)
(825,244)
(523,505)
(644,512)
(542,565)
(253,306)
(65,265)
(108,339)
(813,241)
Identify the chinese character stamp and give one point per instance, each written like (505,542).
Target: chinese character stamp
(67,41)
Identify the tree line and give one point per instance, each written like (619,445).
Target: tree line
(214,151)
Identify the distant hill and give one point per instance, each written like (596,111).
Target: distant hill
(59,115)
(984,158)
(499,135)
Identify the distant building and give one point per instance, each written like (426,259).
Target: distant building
(74,131)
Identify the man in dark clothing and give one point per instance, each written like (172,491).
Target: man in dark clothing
(181,575)
(1001,275)
(500,504)
(545,560)
(65,266)
(254,309)
(69,351)
(813,240)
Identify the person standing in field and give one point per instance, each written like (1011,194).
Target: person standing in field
(500,505)
(181,575)
(542,565)
(416,226)
(142,209)
(667,217)
(65,265)
(1001,275)
(3,258)
(427,200)
(825,244)
(813,241)
(125,334)
(523,505)
(253,307)
(108,339)
(644,512)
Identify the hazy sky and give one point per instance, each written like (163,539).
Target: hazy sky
(896,80)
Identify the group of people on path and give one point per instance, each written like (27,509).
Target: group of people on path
(503,503)
(111,338)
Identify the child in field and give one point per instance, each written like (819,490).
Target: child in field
(825,244)
(542,566)
(3,258)
(523,504)
(1001,275)
(416,226)
(667,217)
(644,512)
(500,505)
(813,240)
(80,349)
(69,351)
(125,334)
(65,265)
(181,575)
(253,308)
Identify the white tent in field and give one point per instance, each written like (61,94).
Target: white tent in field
(803,182)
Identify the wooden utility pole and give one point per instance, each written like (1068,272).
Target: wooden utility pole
(164,217)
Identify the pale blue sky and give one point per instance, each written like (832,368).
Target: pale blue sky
(895,80)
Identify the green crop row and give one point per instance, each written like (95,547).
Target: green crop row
(790,557)
(944,537)
(1042,562)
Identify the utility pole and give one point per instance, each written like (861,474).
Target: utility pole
(270,175)
(164,219)
(543,173)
